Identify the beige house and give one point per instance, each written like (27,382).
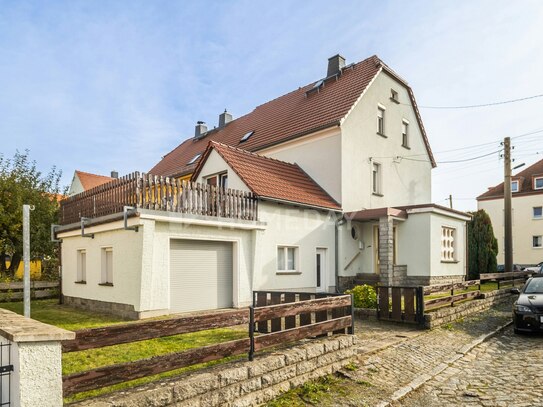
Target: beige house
(310,191)
(527,205)
(84,181)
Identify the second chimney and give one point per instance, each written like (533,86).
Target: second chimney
(114,174)
(335,64)
(200,129)
(224,118)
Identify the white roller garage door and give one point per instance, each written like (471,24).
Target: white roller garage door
(200,275)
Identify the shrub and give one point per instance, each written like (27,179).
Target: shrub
(364,296)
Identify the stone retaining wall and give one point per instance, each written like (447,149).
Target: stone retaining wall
(449,314)
(241,383)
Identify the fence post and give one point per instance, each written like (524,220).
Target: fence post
(251,332)
(351,328)
(420,305)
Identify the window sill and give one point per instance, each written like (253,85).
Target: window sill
(377,194)
(406,147)
(450,261)
(538,218)
(285,272)
(538,248)
(80,282)
(395,100)
(382,135)
(106,284)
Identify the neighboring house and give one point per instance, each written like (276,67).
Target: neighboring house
(325,185)
(83,181)
(527,217)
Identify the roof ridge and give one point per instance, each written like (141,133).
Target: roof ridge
(90,173)
(240,150)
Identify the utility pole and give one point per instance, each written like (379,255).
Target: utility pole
(507,197)
(26,259)
(450,201)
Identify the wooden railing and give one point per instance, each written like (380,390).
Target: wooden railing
(400,304)
(38,289)
(148,191)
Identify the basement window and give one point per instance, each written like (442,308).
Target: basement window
(194,159)
(247,136)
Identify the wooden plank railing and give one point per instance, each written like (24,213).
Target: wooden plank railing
(507,278)
(149,191)
(38,289)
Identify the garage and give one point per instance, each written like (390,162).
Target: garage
(200,275)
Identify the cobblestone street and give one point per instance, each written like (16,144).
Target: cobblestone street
(506,370)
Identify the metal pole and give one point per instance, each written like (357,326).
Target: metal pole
(507,197)
(450,201)
(26,259)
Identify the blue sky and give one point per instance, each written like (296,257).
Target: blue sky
(107,85)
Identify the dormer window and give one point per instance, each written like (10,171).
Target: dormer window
(515,187)
(194,159)
(538,182)
(394,96)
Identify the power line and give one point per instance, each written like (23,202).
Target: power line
(504,102)
(453,161)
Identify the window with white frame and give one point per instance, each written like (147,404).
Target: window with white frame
(287,258)
(220,180)
(376,179)
(448,244)
(537,212)
(538,182)
(107,266)
(514,186)
(381,120)
(81,266)
(537,242)
(405,133)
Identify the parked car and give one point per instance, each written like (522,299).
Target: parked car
(516,267)
(528,308)
(536,268)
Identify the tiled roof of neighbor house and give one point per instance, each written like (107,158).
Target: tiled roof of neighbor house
(89,181)
(270,178)
(289,116)
(526,185)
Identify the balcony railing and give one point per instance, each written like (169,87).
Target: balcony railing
(147,191)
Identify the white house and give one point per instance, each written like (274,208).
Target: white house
(328,184)
(527,208)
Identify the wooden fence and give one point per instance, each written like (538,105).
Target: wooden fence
(38,290)
(149,191)
(400,304)
(500,278)
(140,331)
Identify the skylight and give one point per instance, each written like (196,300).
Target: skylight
(194,158)
(246,136)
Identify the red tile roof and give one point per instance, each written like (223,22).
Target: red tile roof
(526,185)
(89,181)
(270,178)
(287,117)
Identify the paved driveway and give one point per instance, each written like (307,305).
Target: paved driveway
(505,371)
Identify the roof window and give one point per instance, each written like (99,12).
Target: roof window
(194,159)
(246,136)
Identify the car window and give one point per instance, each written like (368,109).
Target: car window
(535,286)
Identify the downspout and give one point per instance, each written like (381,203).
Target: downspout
(339,221)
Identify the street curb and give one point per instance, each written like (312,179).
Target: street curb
(422,379)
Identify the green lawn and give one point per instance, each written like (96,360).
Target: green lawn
(485,287)
(50,312)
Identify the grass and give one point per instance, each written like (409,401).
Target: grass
(313,392)
(48,311)
(485,287)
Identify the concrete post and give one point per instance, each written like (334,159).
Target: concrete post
(26,259)
(386,250)
(36,356)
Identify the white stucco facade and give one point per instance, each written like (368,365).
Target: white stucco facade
(525,227)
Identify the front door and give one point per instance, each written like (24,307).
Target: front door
(320,268)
